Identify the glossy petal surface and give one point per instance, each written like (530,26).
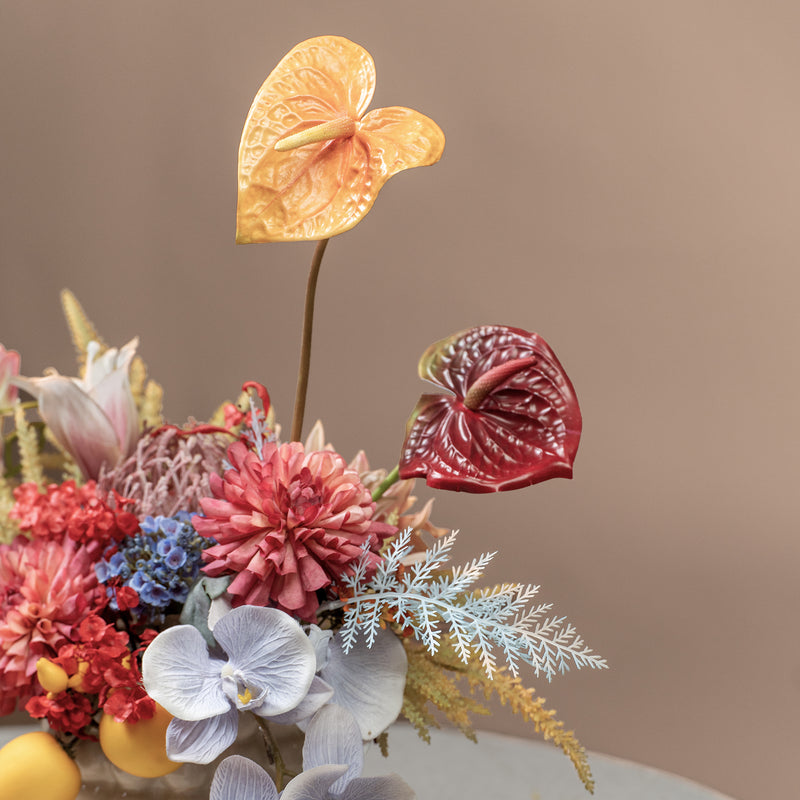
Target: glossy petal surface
(522,425)
(324,188)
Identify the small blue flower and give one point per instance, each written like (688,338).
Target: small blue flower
(161,563)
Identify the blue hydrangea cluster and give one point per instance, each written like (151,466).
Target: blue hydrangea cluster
(160,563)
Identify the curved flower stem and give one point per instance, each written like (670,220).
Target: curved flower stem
(386,483)
(281,773)
(305,347)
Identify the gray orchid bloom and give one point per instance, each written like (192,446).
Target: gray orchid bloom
(269,668)
(333,758)
(366,680)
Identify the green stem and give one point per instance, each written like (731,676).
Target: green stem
(388,481)
(305,347)
(274,753)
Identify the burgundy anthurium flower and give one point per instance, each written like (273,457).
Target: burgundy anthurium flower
(512,420)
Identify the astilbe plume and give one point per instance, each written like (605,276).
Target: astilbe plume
(169,471)
(47,588)
(288,523)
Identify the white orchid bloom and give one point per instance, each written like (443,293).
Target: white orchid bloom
(94,419)
(367,681)
(333,758)
(269,668)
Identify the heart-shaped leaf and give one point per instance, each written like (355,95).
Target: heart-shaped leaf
(513,418)
(311,163)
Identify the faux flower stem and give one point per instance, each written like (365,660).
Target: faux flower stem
(387,482)
(282,775)
(305,347)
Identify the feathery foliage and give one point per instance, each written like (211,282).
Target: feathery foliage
(434,680)
(80,327)
(524,702)
(8,527)
(424,599)
(147,394)
(449,686)
(28,446)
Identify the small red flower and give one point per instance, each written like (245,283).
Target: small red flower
(77,511)
(47,589)
(69,712)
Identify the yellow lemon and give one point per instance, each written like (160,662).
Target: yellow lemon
(139,748)
(34,766)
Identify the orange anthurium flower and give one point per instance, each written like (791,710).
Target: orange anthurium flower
(311,162)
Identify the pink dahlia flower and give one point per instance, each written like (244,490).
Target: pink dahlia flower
(287,524)
(47,587)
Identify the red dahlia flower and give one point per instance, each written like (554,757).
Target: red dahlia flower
(47,588)
(287,524)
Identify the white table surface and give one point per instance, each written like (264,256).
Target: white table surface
(507,767)
(511,768)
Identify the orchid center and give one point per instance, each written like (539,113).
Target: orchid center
(238,690)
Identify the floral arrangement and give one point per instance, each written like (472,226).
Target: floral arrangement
(160,584)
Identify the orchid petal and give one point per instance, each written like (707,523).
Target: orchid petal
(333,737)
(272,653)
(239,778)
(201,741)
(384,787)
(218,608)
(368,681)
(320,640)
(314,783)
(318,694)
(179,674)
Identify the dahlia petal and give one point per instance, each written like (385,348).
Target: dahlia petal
(180,675)
(201,741)
(271,650)
(368,681)
(239,778)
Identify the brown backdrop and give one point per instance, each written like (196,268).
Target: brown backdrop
(621,177)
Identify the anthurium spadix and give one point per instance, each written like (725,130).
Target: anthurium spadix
(512,418)
(311,161)
(93,418)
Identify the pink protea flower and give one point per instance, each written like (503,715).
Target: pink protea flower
(47,588)
(287,524)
